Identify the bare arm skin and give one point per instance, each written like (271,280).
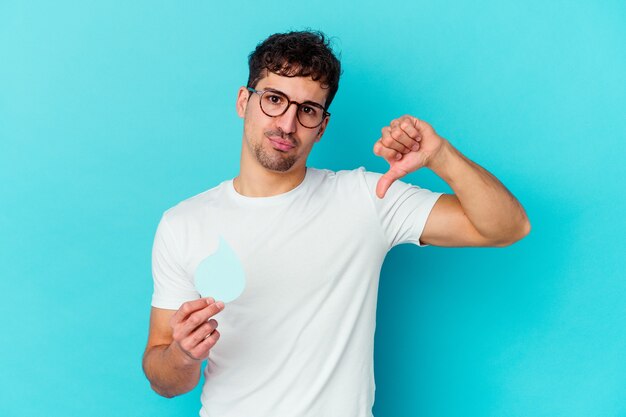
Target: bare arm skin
(482,212)
(178,342)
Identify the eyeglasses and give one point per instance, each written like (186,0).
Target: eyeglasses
(274,103)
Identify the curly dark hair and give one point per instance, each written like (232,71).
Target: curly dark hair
(297,54)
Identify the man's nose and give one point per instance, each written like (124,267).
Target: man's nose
(288,121)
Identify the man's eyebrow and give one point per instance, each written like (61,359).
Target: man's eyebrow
(285,94)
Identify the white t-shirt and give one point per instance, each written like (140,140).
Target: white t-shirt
(299,341)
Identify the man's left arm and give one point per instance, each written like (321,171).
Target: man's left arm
(481,212)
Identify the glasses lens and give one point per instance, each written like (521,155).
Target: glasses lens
(273,103)
(310,116)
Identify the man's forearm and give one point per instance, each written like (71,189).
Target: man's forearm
(493,210)
(170,374)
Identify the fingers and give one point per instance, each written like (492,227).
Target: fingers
(190,307)
(192,330)
(201,351)
(201,333)
(198,336)
(401,135)
(191,318)
(392,138)
(407,125)
(385,181)
(196,319)
(387,153)
(382,187)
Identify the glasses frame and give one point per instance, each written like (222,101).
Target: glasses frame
(289,103)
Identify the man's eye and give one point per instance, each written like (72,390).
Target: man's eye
(274,99)
(308,110)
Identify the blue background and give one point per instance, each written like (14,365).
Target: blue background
(112,112)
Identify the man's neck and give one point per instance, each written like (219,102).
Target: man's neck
(261,182)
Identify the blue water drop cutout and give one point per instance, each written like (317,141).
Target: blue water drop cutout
(221,275)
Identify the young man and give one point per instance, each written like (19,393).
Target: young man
(299,340)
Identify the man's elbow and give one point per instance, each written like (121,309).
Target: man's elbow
(163,386)
(518,234)
(167,391)
(164,393)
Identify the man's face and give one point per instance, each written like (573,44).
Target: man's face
(280,143)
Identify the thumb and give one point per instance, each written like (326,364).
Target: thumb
(385,181)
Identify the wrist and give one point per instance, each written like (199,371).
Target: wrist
(441,158)
(181,357)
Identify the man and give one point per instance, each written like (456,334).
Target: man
(299,340)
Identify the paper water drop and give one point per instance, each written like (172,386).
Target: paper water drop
(220,275)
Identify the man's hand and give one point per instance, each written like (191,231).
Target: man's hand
(193,333)
(407,144)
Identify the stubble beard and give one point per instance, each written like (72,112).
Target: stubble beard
(273,159)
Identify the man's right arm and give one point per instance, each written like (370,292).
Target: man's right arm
(178,342)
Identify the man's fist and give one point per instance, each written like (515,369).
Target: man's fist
(407,144)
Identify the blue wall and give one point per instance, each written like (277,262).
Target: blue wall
(112,112)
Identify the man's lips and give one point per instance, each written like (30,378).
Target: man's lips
(279,143)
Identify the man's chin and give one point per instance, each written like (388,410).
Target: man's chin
(279,168)
(278,165)
(274,159)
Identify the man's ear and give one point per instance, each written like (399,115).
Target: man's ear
(242,101)
(322,128)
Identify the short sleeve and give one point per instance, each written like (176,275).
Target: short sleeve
(403,211)
(172,284)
